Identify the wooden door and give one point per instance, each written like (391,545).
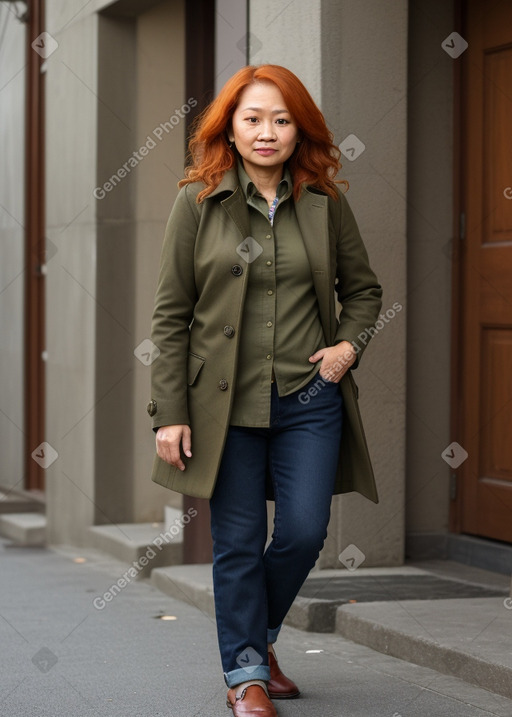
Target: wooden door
(484,357)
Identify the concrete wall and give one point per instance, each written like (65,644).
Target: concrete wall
(71,147)
(113,79)
(232,41)
(353,59)
(161,94)
(430,211)
(12,264)
(289,34)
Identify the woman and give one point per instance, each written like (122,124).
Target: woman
(253,380)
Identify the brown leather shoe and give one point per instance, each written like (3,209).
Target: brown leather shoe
(280,687)
(253,702)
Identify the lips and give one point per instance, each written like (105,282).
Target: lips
(266,151)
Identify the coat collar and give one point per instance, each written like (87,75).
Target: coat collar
(230,183)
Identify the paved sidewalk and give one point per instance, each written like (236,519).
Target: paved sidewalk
(468,636)
(62,657)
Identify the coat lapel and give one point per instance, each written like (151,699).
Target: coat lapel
(234,204)
(312,212)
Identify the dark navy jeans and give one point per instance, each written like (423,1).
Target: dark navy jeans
(255,587)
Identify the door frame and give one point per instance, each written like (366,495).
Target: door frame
(199,83)
(459,166)
(35,250)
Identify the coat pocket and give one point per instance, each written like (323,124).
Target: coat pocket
(194,365)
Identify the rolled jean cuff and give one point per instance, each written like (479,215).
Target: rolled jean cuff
(244,674)
(272,634)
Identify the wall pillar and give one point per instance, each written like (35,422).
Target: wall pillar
(353,59)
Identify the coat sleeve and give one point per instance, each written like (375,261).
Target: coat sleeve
(175,300)
(357,288)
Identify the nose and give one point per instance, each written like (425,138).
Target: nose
(267,132)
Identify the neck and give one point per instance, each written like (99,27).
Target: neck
(265,179)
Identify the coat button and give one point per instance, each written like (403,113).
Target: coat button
(229,331)
(151,407)
(236,270)
(223,384)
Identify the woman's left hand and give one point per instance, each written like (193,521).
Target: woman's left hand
(336,360)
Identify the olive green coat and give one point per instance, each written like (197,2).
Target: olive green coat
(200,299)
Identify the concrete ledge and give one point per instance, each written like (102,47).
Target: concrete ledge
(194,584)
(312,615)
(191,583)
(20,502)
(467,638)
(24,528)
(129,542)
(476,552)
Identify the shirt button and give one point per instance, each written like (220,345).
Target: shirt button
(270,292)
(268,236)
(269,263)
(223,384)
(269,324)
(229,331)
(236,270)
(269,356)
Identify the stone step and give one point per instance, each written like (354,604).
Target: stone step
(28,529)
(312,613)
(148,545)
(20,502)
(467,638)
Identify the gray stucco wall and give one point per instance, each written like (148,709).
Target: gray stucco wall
(71,145)
(429,219)
(112,80)
(12,263)
(353,59)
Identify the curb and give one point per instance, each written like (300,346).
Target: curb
(422,651)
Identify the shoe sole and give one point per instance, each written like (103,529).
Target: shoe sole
(291,696)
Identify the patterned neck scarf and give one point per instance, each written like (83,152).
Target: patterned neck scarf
(272,210)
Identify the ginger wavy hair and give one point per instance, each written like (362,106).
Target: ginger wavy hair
(315,161)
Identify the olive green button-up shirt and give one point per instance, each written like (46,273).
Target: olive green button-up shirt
(281,325)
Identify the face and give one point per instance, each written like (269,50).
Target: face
(262,129)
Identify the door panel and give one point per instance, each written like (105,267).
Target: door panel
(496,135)
(485,423)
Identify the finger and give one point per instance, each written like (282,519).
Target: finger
(175,457)
(316,356)
(187,441)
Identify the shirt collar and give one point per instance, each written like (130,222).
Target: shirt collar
(249,188)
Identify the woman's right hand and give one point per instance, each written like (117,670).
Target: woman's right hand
(168,439)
